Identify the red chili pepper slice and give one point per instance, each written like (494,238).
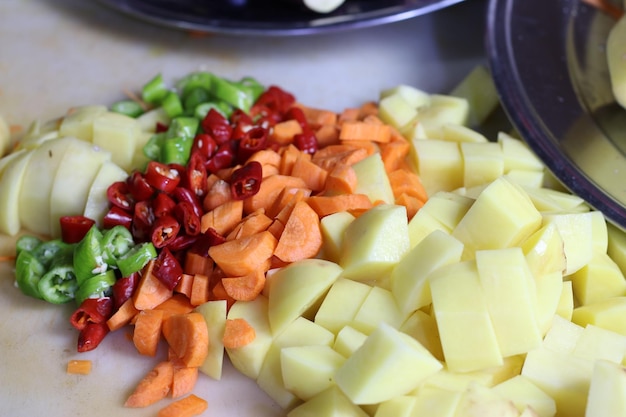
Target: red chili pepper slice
(74,228)
(296,113)
(119,195)
(184,194)
(182,242)
(276,99)
(164,230)
(161,176)
(217,126)
(162,205)
(241,122)
(209,238)
(223,157)
(139,187)
(91,336)
(246,181)
(196,174)
(205,144)
(116,216)
(123,289)
(306,142)
(143,219)
(185,214)
(253,140)
(167,268)
(161,127)
(92,310)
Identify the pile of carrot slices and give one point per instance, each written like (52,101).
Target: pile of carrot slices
(278,225)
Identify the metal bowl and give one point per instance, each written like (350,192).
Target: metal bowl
(549,66)
(278,17)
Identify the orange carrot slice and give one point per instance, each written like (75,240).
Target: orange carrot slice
(302,236)
(245,288)
(186,407)
(79,367)
(238,333)
(147,331)
(242,256)
(188,337)
(153,387)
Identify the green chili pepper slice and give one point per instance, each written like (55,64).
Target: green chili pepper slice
(27,243)
(48,251)
(59,284)
(172,105)
(176,150)
(183,127)
(233,94)
(136,258)
(28,272)
(128,108)
(200,79)
(116,242)
(88,256)
(152,148)
(95,287)
(154,90)
(254,88)
(222,107)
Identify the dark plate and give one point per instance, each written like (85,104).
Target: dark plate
(272,17)
(549,65)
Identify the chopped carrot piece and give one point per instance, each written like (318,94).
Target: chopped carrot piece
(369,108)
(147,331)
(183,380)
(412,204)
(185,407)
(288,158)
(245,288)
(370,147)
(79,367)
(218,194)
(253,223)
(282,133)
(150,291)
(359,131)
(271,187)
(302,236)
(199,290)
(176,304)
(123,315)
(269,160)
(394,153)
(327,135)
(313,175)
(341,180)
(223,218)
(242,256)
(219,293)
(153,387)
(238,333)
(315,116)
(350,114)
(334,155)
(325,205)
(188,336)
(403,181)
(184,283)
(285,197)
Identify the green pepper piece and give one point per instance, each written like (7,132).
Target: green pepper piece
(46,252)
(232,94)
(254,88)
(88,256)
(183,127)
(96,286)
(136,258)
(172,104)
(176,150)
(196,97)
(154,90)
(152,148)
(222,107)
(27,243)
(116,242)
(201,79)
(128,108)
(59,284)
(28,272)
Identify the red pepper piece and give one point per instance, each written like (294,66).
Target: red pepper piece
(196,174)
(123,289)
(119,195)
(92,310)
(143,219)
(139,187)
(224,157)
(185,215)
(91,336)
(161,127)
(205,144)
(277,99)
(306,142)
(161,176)
(296,113)
(162,205)
(184,194)
(253,140)
(241,122)
(116,216)
(182,242)
(167,268)
(164,230)
(74,228)
(246,181)
(207,239)
(217,126)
